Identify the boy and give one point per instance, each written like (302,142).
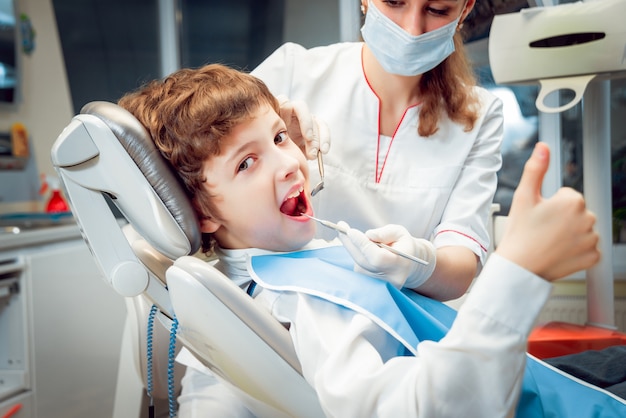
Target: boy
(221,131)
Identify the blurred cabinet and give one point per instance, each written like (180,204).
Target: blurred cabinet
(73,324)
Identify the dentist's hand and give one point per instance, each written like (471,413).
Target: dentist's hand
(308,132)
(378,262)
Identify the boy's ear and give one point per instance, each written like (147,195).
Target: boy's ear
(209,225)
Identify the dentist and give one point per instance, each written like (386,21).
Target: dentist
(414,140)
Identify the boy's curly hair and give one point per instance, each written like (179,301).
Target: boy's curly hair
(188,113)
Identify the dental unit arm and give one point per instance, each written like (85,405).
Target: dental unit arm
(91,158)
(560,47)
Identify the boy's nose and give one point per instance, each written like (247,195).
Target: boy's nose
(288,165)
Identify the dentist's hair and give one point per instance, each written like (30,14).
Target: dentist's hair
(188,113)
(448,89)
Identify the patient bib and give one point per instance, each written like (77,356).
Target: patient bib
(410,318)
(327,273)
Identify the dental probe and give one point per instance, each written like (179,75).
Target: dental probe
(336,227)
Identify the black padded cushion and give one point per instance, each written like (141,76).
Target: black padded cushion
(159,173)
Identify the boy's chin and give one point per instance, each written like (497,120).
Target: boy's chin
(298,242)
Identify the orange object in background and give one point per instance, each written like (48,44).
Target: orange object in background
(556,339)
(19,140)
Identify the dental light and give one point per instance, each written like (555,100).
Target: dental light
(561,47)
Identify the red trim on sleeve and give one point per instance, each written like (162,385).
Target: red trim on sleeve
(465,235)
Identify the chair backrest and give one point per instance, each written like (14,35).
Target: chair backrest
(106,151)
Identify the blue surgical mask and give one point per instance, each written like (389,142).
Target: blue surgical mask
(399,52)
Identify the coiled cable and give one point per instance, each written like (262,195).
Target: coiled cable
(149,384)
(171,395)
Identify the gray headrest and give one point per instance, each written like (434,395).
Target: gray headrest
(157,171)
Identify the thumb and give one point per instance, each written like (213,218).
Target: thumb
(529,188)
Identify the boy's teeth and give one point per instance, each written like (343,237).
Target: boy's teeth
(296,194)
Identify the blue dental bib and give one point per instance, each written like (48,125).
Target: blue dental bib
(411,318)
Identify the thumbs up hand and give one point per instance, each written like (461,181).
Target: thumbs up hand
(551,237)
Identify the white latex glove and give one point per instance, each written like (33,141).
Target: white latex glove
(308,132)
(378,262)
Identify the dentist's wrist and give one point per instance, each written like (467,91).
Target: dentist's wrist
(425,250)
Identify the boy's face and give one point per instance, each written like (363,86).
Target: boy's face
(260,186)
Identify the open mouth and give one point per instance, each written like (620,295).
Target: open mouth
(295,205)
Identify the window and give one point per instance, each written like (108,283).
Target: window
(239,33)
(111,48)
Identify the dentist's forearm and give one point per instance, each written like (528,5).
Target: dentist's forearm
(455,269)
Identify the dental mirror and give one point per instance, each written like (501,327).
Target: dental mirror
(320,165)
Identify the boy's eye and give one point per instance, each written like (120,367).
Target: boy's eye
(246,164)
(280,138)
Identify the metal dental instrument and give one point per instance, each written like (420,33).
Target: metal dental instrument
(336,227)
(320,165)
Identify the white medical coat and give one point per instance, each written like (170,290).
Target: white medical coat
(440,187)
(476,370)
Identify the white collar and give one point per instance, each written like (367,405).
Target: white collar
(233,263)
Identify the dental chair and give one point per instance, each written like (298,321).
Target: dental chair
(152,260)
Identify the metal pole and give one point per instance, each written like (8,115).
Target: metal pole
(550,133)
(597,190)
(349,20)
(169,24)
